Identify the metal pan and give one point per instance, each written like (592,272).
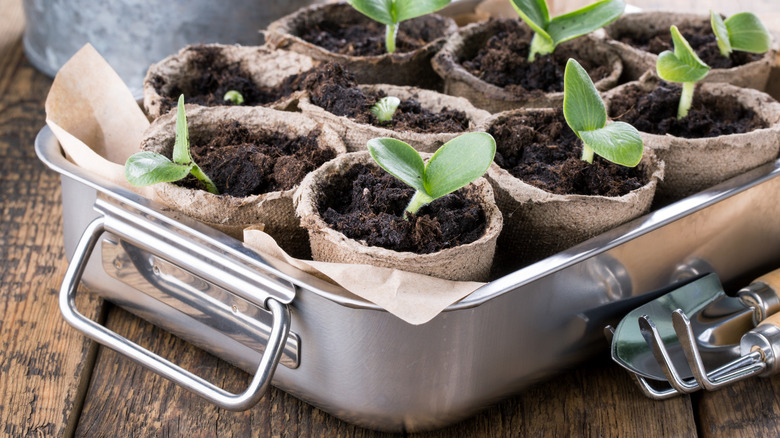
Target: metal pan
(357,361)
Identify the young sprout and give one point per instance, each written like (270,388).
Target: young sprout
(586,115)
(743,31)
(548,33)
(234,97)
(683,66)
(147,168)
(385,108)
(457,163)
(392,12)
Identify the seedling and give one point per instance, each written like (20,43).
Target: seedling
(456,164)
(743,31)
(147,168)
(586,115)
(385,108)
(683,66)
(233,97)
(548,33)
(392,12)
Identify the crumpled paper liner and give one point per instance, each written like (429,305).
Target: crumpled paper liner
(646,24)
(356,135)
(230,214)
(410,68)
(694,164)
(469,40)
(267,67)
(99,125)
(415,298)
(538,224)
(469,262)
(95,117)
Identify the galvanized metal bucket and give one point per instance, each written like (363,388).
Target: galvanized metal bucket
(132,34)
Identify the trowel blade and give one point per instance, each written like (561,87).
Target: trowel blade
(718,321)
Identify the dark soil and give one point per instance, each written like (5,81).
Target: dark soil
(242,162)
(217,76)
(358,35)
(543,151)
(656,113)
(701,39)
(503,61)
(334,88)
(367,204)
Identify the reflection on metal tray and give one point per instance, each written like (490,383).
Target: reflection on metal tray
(368,367)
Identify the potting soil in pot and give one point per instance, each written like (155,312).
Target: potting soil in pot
(357,35)
(242,162)
(335,89)
(709,116)
(215,77)
(541,150)
(702,40)
(367,204)
(503,61)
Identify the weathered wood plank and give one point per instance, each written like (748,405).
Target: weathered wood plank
(746,409)
(41,357)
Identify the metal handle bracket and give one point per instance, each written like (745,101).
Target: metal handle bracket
(270,359)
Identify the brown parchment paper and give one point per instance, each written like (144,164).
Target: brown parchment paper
(95,117)
(99,125)
(415,298)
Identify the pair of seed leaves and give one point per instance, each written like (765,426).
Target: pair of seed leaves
(147,168)
(548,33)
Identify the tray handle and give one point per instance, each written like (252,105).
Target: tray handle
(214,394)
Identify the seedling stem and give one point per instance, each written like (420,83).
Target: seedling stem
(686,99)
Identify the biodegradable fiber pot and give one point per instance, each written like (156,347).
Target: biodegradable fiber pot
(399,68)
(273,210)
(356,135)
(204,73)
(694,164)
(538,223)
(465,45)
(468,262)
(646,26)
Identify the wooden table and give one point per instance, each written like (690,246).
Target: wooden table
(54,382)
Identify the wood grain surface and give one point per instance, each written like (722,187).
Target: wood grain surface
(53,382)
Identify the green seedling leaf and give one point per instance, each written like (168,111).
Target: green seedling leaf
(682,65)
(535,14)
(392,12)
(582,106)
(456,164)
(617,142)
(747,33)
(721,33)
(234,97)
(584,21)
(385,108)
(398,159)
(408,9)
(146,168)
(586,115)
(551,32)
(181,147)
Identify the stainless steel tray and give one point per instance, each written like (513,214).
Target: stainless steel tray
(357,361)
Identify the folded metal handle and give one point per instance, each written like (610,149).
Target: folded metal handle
(224,399)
